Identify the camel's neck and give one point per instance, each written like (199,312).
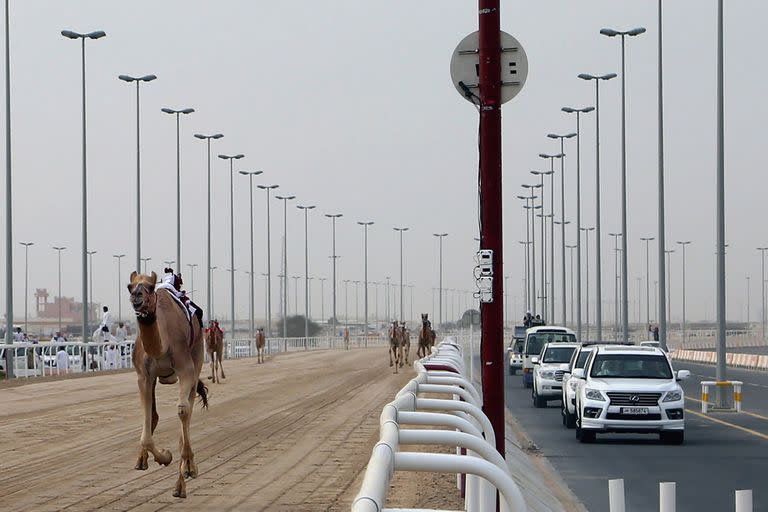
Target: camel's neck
(150,338)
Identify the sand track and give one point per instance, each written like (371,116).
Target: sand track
(292,434)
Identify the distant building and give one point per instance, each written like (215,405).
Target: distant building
(71,310)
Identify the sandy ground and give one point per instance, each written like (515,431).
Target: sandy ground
(292,434)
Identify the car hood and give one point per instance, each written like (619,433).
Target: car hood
(553,366)
(630,385)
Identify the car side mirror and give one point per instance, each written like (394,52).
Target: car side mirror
(683,374)
(578,373)
(535,360)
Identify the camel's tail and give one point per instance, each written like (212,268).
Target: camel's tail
(203,392)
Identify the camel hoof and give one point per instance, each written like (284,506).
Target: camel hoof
(141,465)
(164,458)
(191,470)
(179,494)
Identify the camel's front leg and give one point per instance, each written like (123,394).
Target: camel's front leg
(221,368)
(187,466)
(391,349)
(162,457)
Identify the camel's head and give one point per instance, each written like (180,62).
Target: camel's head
(424,318)
(143,298)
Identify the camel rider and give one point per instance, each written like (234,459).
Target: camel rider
(173,283)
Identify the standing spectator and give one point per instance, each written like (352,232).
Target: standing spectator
(120,333)
(106,319)
(62,360)
(656,333)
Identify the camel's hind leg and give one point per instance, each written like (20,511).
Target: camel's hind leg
(391,349)
(219,353)
(187,466)
(147,445)
(212,356)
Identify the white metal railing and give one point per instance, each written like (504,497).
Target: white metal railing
(485,470)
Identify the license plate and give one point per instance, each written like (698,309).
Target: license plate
(634,410)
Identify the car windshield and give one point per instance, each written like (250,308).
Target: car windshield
(558,354)
(631,366)
(583,355)
(535,342)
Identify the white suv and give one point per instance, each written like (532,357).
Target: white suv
(578,360)
(548,371)
(629,389)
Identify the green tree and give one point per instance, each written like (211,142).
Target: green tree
(296,327)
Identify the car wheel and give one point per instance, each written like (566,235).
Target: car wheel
(538,401)
(674,437)
(569,420)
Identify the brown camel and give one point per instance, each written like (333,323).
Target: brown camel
(426,337)
(395,346)
(170,348)
(260,342)
(406,342)
(214,346)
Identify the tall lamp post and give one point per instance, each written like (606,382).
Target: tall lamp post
(8,204)
(669,285)
(285,200)
(178,113)
(598,244)
(578,112)
(334,217)
(26,245)
(138,81)
(616,306)
(82,37)
(306,270)
(89,305)
(685,326)
(252,315)
(440,237)
(209,296)
(267,188)
(119,257)
(762,288)
(231,159)
(562,224)
(624,251)
(647,241)
(544,312)
(532,208)
(401,230)
(586,257)
(365,275)
(572,247)
(58,250)
(551,159)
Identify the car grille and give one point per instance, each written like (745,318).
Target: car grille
(642,400)
(559,375)
(633,417)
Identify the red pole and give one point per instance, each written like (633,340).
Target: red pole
(492,346)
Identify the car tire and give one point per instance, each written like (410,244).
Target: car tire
(674,437)
(569,420)
(538,402)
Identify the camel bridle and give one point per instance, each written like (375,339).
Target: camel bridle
(146,312)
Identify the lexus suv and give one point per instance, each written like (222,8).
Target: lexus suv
(578,360)
(629,389)
(548,372)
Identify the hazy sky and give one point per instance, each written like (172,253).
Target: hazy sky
(349,106)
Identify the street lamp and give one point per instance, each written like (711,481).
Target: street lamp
(346,303)
(267,188)
(285,200)
(625,253)
(82,37)
(365,275)
(685,331)
(58,250)
(322,297)
(119,257)
(26,245)
(647,241)
(250,175)
(207,139)
(572,247)
(333,217)
(138,81)
(440,237)
(401,231)
(232,159)
(525,244)
(306,271)
(88,305)
(178,113)
(578,112)
(533,209)
(616,307)
(669,285)
(562,224)
(598,245)
(8,205)
(551,159)
(544,311)
(586,257)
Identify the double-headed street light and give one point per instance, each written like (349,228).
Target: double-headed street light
(285,200)
(306,270)
(252,311)
(178,113)
(207,139)
(578,112)
(598,245)
(232,159)
(138,81)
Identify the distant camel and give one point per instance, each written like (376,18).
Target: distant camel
(426,337)
(260,342)
(395,346)
(169,347)
(214,346)
(406,342)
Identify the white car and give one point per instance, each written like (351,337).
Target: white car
(548,371)
(535,339)
(515,353)
(570,384)
(629,389)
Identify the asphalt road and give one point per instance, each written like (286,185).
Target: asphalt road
(722,452)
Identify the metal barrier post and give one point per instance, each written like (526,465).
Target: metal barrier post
(616,495)
(667,499)
(744,500)
(704,397)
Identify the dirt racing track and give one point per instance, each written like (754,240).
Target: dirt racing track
(294,434)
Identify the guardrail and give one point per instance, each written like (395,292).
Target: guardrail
(471,435)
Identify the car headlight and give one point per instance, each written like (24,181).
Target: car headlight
(547,374)
(594,394)
(673,396)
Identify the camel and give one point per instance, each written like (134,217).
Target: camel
(426,337)
(395,346)
(260,341)
(169,348)
(405,342)
(214,346)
